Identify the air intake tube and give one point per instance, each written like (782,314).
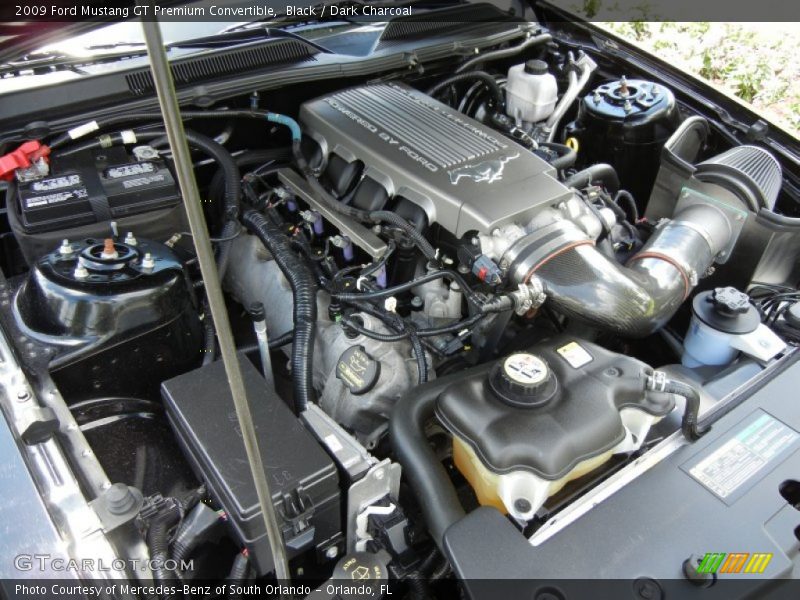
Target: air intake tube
(633,300)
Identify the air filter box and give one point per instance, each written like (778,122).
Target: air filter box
(303,479)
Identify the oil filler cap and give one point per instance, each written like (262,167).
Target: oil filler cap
(523,380)
(358,371)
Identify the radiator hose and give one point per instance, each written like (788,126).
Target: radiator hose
(304,289)
(425,472)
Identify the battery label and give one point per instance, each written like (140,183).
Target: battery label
(55,198)
(56,183)
(140,181)
(128,170)
(745,456)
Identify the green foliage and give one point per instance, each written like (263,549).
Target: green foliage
(756,62)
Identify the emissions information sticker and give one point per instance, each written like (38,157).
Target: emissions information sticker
(744,458)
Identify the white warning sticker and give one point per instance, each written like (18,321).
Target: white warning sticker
(746,454)
(575,354)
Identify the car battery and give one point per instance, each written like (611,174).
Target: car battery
(303,479)
(87,190)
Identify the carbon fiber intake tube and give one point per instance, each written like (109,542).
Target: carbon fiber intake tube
(637,299)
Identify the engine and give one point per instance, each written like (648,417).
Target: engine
(424,287)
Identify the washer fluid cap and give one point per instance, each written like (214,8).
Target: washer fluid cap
(523,380)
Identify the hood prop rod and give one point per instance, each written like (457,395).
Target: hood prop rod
(168,101)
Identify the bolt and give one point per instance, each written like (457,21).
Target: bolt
(332,552)
(628,107)
(130,239)
(648,589)
(148,262)
(80,272)
(416,301)
(66,248)
(612,372)
(109,250)
(379,474)
(522,505)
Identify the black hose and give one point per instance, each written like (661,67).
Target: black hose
(566,155)
(191,532)
(281,340)
(602,172)
(488,80)
(630,202)
(777,222)
(244,161)
(304,289)
(209,335)
(157,539)
(403,287)
(239,571)
(428,332)
(426,474)
(505,52)
(232,196)
(689,425)
(157,117)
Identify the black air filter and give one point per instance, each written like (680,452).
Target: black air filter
(750,172)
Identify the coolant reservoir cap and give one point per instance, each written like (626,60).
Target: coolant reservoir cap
(536,67)
(523,380)
(726,309)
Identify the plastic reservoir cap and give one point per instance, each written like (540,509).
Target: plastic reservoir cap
(357,370)
(523,380)
(727,310)
(536,67)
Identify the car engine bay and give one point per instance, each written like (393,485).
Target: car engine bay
(493,282)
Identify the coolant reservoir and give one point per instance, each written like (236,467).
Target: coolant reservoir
(723,324)
(531,92)
(539,419)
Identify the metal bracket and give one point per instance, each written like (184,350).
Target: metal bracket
(383,479)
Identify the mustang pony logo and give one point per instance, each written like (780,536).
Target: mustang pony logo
(487,171)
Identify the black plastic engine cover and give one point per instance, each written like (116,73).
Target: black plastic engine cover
(579,420)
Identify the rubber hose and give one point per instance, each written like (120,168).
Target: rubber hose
(209,335)
(238,574)
(157,116)
(777,222)
(689,426)
(304,289)
(232,197)
(482,76)
(244,161)
(426,474)
(158,544)
(602,172)
(629,202)
(403,287)
(505,52)
(566,155)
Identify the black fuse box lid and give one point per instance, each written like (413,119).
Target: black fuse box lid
(303,478)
